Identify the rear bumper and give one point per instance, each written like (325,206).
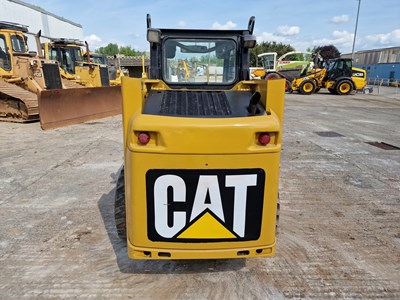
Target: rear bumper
(168,254)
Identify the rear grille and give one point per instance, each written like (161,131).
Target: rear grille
(52,77)
(195,103)
(105,80)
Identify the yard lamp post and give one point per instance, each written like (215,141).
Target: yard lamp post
(355,30)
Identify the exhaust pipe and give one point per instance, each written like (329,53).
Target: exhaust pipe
(87,52)
(38,46)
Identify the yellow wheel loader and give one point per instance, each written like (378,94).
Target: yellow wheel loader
(22,75)
(201,156)
(337,75)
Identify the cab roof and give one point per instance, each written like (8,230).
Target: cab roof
(66,41)
(13,26)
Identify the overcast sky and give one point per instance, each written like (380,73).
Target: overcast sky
(302,24)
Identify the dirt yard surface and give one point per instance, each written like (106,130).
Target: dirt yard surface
(339,224)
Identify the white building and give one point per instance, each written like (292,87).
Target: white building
(36,19)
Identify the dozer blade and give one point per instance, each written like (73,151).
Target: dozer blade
(59,108)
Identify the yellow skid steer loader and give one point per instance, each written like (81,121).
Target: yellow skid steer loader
(202,151)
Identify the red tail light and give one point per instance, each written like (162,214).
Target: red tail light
(264,138)
(143,138)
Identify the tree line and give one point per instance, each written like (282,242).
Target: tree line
(327,52)
(113,49)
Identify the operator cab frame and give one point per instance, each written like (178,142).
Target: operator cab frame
(339,67)
(12,40)
(67,52)
(211,61)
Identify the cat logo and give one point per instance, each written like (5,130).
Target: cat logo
(204,205)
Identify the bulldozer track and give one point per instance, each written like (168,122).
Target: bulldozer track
(17,104)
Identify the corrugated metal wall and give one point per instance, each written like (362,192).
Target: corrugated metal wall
(377,56)
(378,63)
(38,19)
(390,71)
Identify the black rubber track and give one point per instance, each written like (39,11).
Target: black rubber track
(119,205)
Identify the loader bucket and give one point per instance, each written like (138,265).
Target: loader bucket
(59,108)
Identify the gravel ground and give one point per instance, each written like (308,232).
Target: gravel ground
(339,231)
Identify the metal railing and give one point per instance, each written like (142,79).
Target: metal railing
(384,82)
(385,86)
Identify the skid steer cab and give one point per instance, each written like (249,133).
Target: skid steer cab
(202,148)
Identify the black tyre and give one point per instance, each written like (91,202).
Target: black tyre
(307,87)
(119,205)
(332,91)
(288,87)
(278,209)
(272,76)
(344,87)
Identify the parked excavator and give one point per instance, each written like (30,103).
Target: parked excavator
(22,75)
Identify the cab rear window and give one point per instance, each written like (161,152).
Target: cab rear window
(18,43)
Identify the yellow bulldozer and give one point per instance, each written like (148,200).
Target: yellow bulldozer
(201,164)
(32,88)
(96,100)
(22,75)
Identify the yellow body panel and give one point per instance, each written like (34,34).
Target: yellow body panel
(182,145)
(360,81)
(88,75)
(316,75)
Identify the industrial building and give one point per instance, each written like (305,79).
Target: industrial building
(36,18)
(380,64)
